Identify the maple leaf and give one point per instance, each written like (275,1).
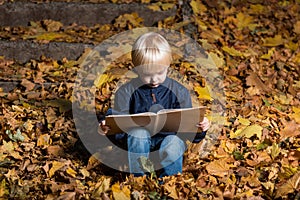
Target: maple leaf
(290,186)
(272,42)
(218,167)
(120,193)
(248,132)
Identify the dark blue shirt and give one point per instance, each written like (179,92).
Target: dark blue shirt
(135,97)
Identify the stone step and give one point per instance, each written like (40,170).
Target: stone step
(21,13)
(23,51)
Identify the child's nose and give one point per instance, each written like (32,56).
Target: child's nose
(153,79)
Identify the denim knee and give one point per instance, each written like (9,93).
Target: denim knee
(139,133)
(172,147)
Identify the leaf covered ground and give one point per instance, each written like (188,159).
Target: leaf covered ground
(255,155)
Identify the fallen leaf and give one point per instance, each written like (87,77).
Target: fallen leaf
(44,140)
(244,121)
(232,51)
(71,172)
(244,20)
(197,7)
(7,147)
(120,193)
(102,186)
(247,132)
(297,27)
(275,150)
(290,186)
(27,84)
(171,190)
(218,167)
(3,188)
(296,114)
(203,92)
(291,129)
(55,166)
(269,54)
(51,25)
(100,80)
(273,42)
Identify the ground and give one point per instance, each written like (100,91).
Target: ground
(254,154)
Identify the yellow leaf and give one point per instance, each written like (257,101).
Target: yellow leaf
(85,172)
(291,45)
(167,6)
(297,27)
(49,36)
(3,189)
(154,7)
(288,171)
(44,140)
(55,166)
(244,121)
(217,60)
(290,186)
(71,172)
(243,20)
(296,114)
(273,42)
(269,54)
(171,191)
(197,7)
(120,194)
(232,51)
(201,24)
(296,58)
(257,8)
(203,92)
(100,80)
(275,150)
(7,147)
(247,132)
(218,168)
(102,186)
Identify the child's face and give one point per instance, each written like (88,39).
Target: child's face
(154,77)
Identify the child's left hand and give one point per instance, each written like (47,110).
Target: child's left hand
(204,125)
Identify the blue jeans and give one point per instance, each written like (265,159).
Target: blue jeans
(167,150)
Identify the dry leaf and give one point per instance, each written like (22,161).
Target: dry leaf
(198,7)
(55,166)
(273,42)
(291,129)
(203,92)
(120,193)
(293,184)
(232,51)
(44,140)
(218,167)
(247,132)
(28,85)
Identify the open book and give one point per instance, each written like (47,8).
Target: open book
(166,120)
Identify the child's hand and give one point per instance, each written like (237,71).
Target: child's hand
(102,128)
(204,125)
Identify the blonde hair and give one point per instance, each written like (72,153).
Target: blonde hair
(151,50)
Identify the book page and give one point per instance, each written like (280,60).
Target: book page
(182,120)
(166,120)
(124,123)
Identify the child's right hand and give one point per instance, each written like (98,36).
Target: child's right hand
(102,128)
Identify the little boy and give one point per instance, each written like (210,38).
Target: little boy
(152,91)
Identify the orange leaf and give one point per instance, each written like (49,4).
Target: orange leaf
(291,129)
